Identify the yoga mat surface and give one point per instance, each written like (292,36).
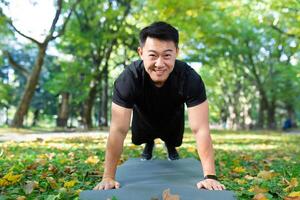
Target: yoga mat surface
(146,180)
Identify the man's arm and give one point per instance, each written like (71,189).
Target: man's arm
(199,124)
(120,123)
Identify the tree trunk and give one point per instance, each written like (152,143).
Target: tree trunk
(88,106)
(29,89)
(104,99)
(36,115)
(63,114)
(271,115)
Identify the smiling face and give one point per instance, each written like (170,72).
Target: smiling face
(159,59)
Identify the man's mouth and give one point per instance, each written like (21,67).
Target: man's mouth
(159,72)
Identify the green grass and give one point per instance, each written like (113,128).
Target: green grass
(247,163)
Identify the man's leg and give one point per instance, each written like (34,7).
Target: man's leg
(173,134)
(142,132)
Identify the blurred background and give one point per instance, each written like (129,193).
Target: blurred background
(59,59)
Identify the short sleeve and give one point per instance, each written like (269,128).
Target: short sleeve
(195,89)
(124,89)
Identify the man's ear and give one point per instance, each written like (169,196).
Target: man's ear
(140,51)
(177,51)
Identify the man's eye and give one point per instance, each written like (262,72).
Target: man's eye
(152,55)
(167,55)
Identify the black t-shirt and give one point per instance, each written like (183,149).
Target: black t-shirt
(134,88)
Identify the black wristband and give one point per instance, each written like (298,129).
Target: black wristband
(211,177)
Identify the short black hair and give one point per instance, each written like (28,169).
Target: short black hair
(159,30)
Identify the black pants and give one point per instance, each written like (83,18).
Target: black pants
(171,132)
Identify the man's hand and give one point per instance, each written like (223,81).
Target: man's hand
(210,184)
(107,184)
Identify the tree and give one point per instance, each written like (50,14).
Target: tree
(33,78)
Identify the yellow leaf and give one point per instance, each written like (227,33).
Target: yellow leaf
(13,178)
(3,182)
(92,160)
(266,175)
(256,189)
(191,149)
(240,181)
(291,184)
(52,182)
(260,196)
(70,184)
(77,192)
(239,169)
(132,147)
(21,198)
(294,194)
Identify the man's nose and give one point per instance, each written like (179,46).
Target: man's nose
(159,62)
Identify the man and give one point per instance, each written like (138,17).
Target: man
(155,90)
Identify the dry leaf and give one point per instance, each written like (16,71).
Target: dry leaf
(92,160)
(239,169)
(260,196)
(52,169)
(70,184)
(256,189)
(266,175)
(291,184)
(191,149)
(30,186)
(21,198)
(248,177)
(33,166)
(168,196)
(12,178)
(52,182)
(294,194)
(240,181)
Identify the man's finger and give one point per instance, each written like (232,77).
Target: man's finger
(117,185)
(199,185)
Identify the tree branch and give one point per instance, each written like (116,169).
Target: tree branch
(16,66)
(62,30)
(285,33)
(22,34)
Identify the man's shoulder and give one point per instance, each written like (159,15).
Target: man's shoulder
(135,68)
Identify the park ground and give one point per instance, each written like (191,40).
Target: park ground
(255,165)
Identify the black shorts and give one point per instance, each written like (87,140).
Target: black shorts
(144,131)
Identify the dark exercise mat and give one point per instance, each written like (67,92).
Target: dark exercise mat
(146,180)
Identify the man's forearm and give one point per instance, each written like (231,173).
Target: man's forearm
(113,152)
(206,153)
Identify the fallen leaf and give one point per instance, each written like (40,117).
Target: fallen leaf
(52,169)
(92,160)
(33,166)
(294,194)
(260,196)
(30,186)
(248,177)
(52,182)
(12,178)
(3,182)
(291,184)
(240,181)
(191,149)
(266,175)
(239,169)
(21,198)
(70,184)
(256,189)
(168,196)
